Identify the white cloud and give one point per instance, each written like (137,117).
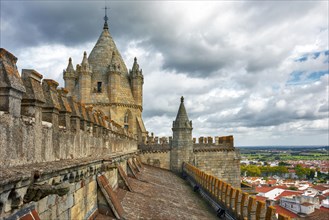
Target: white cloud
(233,62)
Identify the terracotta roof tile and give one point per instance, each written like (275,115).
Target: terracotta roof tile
(281,210)
(264,189)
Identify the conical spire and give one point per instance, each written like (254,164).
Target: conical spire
(70,68)
(85,59)
(100,58)
(182,115)
(182,120)
(135,65)
(135,71)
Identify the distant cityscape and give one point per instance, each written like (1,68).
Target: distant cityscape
(295,180)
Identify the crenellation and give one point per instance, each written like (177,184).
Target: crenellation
(11,85)
(50,109)
(36,137)
(65,109)
(33,98)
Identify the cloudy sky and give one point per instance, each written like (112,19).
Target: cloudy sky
(255,69)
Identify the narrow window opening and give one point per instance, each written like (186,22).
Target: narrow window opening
(126,121)
(99,86)
(126,118)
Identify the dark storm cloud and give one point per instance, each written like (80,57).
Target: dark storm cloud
(199,52)
(230,59)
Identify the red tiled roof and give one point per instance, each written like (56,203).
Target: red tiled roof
(324,196)
(261,198)
(288,193)
(321,187)
(263,189)
(319,214)
(282,187)
(271,182)
(281,210)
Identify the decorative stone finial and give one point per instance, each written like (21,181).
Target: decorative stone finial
(84,60)
(182,99)
(135,60)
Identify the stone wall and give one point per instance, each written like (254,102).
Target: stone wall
(216,156)
(59,189)
(52,148)
(223,164)
(159,159)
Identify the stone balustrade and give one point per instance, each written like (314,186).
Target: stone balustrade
(238,204)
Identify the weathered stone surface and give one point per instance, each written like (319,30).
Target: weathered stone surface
(37,192)
(102,81)
(11,85)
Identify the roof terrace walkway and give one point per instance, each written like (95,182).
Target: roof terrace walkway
(160,194)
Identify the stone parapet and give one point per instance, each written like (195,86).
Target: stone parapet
(154,147)
(65,108)
(236,204)
(218,140)
(65,189)
(50,125)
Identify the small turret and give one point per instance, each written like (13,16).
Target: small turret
(137,81)
(114,78)
(85,67)
(115,63)
(182,142)
(84,73)
(70,77)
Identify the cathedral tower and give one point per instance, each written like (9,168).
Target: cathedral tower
(84,73)
(103,82)
(182,143)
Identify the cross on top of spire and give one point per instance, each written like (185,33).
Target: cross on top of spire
(106,26)
(105,17)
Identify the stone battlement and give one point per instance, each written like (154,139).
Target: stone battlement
(218,140)
(41,123)
(153,143)
(155,140)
